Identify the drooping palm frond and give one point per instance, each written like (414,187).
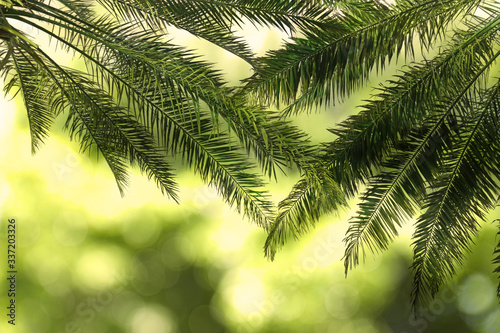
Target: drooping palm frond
(214,21)
(395,195)
(366,140)
(163,93)
(94,119)
(261,131)
(465,190)
(327,65)
(38,90)
(161,18)
(191,15)
(378,216)
(425,144)
(316,194)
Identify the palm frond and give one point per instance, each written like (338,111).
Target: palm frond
(281,14)
(161,18)
(94,119)
(10,3)
(465,190)
(333,62)
(38,91)
(162,85)
(396,195)
(213,21)
(314,195)
(367,141)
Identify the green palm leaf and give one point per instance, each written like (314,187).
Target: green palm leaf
(334,61)
(426,143)
(366,142)
(316,194)
(465,190)
(160,87)
(96,120)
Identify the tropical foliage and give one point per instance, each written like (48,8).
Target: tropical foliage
(143,100)
(426,145)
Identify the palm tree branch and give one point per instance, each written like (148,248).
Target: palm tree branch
(436,221)
(420,83)
(315,194)
(40,117)
(248,196)
(338,71)
(114,160)
(387,108)
(250,125)
(130,139)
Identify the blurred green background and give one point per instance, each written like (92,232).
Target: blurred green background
(89,260)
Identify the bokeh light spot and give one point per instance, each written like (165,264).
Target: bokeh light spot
(152,319)
(99,268)
(50,271)
(342,301)
(61,302)
(491,323)
(124,306)
(249,294)
(228,240)
(477,295)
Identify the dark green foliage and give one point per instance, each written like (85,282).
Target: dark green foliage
(143,100)
(426,144)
